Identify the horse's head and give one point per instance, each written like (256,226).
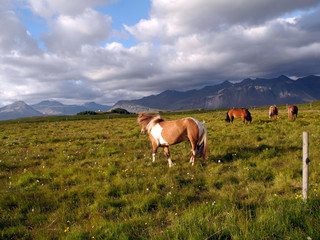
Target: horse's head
(144,119)
(143,129)
(248,116)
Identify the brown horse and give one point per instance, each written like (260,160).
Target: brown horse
(292,112)
(165,133)
(242,113)
(273,112)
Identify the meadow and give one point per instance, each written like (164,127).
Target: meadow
(93,178)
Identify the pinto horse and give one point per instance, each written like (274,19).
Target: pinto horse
(273,112)
(242,113)
(292,112)
(165,133)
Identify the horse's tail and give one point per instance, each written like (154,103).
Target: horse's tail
(228,118)
(202,146)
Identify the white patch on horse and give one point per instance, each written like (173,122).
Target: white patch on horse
(200,127)
(156,134)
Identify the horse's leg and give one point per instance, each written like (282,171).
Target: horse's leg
(193,151)
(193,157)
(167,153)
(154,151)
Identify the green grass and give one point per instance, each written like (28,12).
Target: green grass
(85,178)
(99,116)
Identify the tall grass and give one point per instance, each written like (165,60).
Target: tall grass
(94,179)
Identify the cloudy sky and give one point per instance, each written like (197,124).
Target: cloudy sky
(78,51)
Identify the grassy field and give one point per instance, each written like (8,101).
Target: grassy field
(94,179)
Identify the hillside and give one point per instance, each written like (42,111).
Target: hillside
(18,110)
(94,179)
(258,92)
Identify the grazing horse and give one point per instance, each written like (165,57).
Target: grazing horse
(165,133)
(292,112)
(273,112)
(242,113)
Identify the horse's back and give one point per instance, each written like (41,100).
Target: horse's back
(174,131)
(238,112)
(180,130)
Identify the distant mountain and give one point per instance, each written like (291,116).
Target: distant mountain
(133,108)
(57,108)
(92,106)
(18,110)
(249,92)
(46,108)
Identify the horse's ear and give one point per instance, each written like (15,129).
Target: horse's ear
(140,116)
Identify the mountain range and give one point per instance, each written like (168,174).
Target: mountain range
(57,108)
(247,93)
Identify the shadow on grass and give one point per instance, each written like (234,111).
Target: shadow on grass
(247,152)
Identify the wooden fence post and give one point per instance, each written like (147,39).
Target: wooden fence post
(305,166)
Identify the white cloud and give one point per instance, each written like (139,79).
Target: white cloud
(49,8)
(69,33)
(182,45)
(171,19)
(14,35)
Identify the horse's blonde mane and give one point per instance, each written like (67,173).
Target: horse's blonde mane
(144,119)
